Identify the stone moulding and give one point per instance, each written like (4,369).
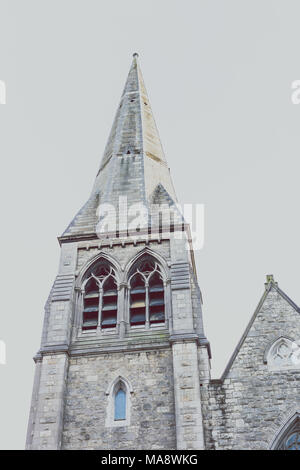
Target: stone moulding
(287,420)
(186,337)
(115,381)
(272,342)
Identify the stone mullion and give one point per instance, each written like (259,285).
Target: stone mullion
(128,310)
(100,308)
(121,310)
(165,304)
(147,305)
(79,311)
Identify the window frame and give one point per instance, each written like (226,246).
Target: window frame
(134,271)
(123,412)
(112,390)
(287,364)
(100,280)
(291,426)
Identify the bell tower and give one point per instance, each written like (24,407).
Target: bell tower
(123,353)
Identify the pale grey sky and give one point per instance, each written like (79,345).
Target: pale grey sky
(218,74)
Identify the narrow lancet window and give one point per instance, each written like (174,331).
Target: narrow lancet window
(138,300)
(120,405)
(91,305)
(109,304)
(156,299)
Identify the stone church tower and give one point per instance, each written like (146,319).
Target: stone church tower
(123,351)
(124,362)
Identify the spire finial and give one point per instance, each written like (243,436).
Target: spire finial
(270,280)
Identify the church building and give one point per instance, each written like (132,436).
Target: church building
(124,362)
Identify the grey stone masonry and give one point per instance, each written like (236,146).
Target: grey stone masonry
(124,319)
(185,344)
(248,407)
(45,427)
(71,408)
(133,165)
(152,420)
(158,364)
(47,406)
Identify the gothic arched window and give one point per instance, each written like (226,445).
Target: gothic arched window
(146,294)
(118,410)
(100,297)
(91,305)
(292,442)
(290,439)
(120,402)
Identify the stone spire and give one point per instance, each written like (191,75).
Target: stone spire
(134,130)
(133,163)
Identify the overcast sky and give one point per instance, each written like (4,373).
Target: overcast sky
(219,75)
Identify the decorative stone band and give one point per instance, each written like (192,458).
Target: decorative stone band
(89,350)
(180,276)
(51,350)
(187,337)
(184,337)
(121,348)
(63,287)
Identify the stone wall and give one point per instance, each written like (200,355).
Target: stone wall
(152,420)
(47,407)
(122,254)
(189,427)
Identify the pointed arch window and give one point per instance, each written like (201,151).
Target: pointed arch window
(91,305)
(118,410)
(147,294)
(100,298)
(290,438)
(292,442)
(120,403)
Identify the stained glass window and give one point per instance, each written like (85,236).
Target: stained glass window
(100,301)
(293,441)
(147,299)
(290,439)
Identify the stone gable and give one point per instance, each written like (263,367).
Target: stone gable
(243,409)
